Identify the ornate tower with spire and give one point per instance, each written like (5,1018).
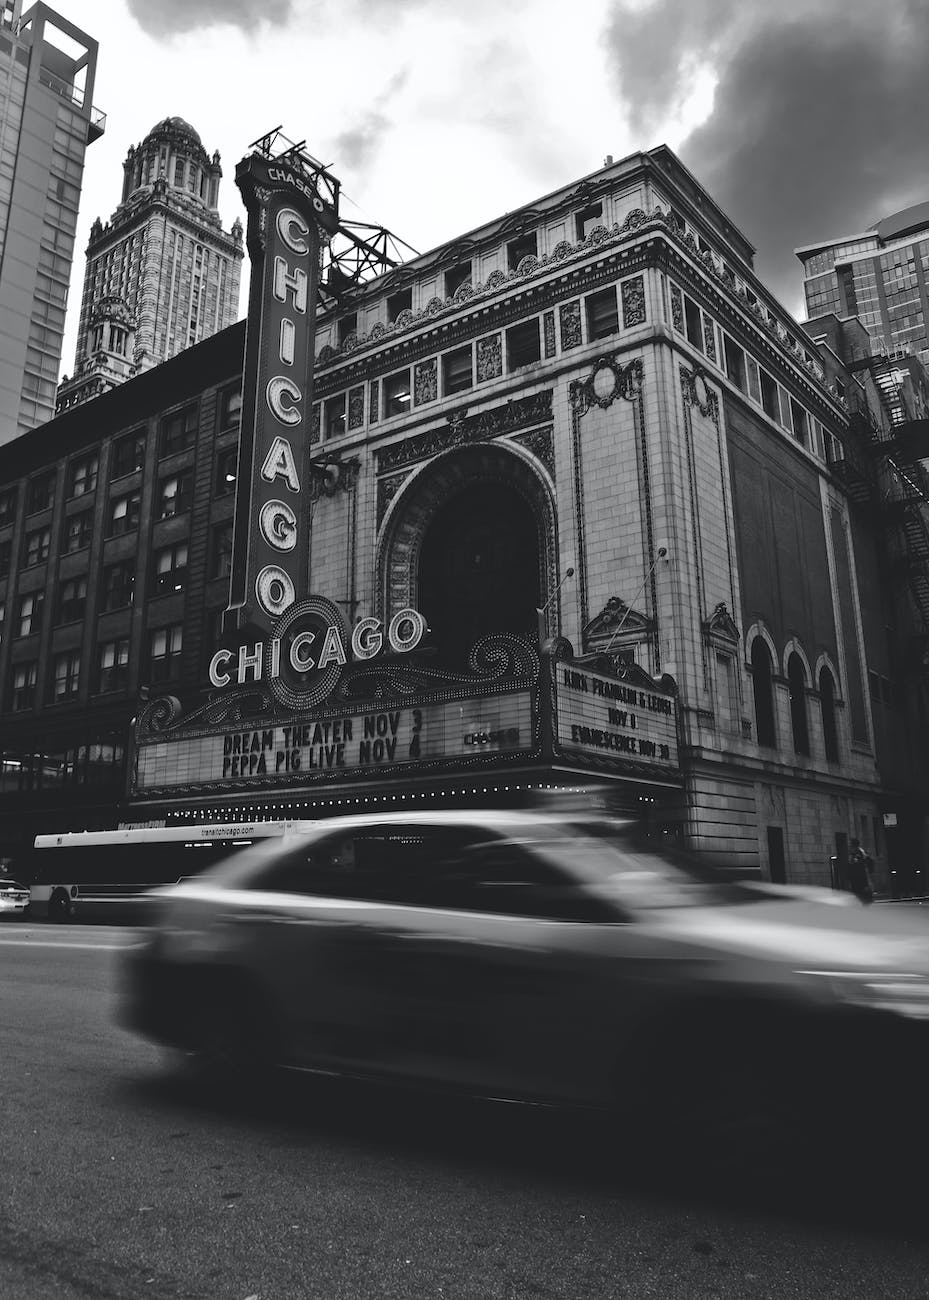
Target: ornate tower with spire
(162,274)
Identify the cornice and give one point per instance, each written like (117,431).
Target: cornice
(115,234)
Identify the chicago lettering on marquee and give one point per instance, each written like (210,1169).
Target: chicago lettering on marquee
(286,221)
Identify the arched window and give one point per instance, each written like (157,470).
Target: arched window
(763,691)
(796,681)
(827,704)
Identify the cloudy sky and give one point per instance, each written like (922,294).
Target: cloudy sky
(804,118)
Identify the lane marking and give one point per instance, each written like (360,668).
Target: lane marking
(52,943)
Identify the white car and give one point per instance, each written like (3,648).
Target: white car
(14,898)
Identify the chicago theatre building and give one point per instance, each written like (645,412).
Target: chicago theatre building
(568,501)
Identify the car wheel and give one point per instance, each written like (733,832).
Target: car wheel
(230,1045)
(59,906)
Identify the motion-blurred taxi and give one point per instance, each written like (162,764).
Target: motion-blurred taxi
(527,956)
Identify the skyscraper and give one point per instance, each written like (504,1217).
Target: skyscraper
(47,68)
(880,275)
(162,274)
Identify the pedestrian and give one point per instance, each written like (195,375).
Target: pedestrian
(860,867)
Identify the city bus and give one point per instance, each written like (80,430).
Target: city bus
(101,875)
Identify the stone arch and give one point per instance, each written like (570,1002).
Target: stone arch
(415,506)
(793,647)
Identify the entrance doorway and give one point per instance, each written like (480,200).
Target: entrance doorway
(479,570)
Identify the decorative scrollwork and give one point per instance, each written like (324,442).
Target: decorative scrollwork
(159,715)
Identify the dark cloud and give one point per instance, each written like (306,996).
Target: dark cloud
(172,17)
(357,146)
(818,122)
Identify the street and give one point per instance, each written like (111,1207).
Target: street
(118,1182)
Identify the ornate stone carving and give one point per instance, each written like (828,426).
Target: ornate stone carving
(374,400)
(633,221)
(356,408)
(489,357)
(720,626)
(541,443)
(697,392)
(434,306)
(616,619)
(709,339)
(462,428)
(608,381)
(496,279)
(677,309)
(326,353)
(562,250)
(314,425)
(548,332)
(464,291)
(336,475)
(387,489)
(404,318)
(633,296)
(570,318)
(425,381)
(528,264)
(349,343)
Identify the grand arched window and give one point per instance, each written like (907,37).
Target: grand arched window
(796,681)
(827,705)
(763,691)
(479,569)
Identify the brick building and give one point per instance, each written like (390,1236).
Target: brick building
(591,408)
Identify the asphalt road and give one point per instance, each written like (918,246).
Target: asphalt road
(116,1183)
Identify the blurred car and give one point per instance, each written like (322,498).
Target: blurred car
(528,956)
(14,898)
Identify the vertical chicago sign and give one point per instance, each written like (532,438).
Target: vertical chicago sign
(287,219)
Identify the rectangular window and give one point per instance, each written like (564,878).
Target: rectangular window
(799,423)
(128,454)
(41,492)
(76,533)
(455,277)
(72,599)
(398,302)
(769,397)
(346,326)
(227,463)
(602,314)
(334,416)
(588,219)
(457,371)
(178,430)
(165,652)
(522,345)
(37,546)
(230,408)
(754,381)
(6,550)
(175,494)
(221,551)
(30,613)
(170,569)
(82,475)
(397,393)
(517,249)
(7,505)
(113,665)
(118,585)
(65,674)
(735,363)
(23,686)
(124,514)
(694,327)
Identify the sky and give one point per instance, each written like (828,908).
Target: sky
(804,119)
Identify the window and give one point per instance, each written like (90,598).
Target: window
(457,371)
(41,492)
(124,514)
(76,533)
(398,302)
(735,363)
(6,550)
(769,397)
(455,277)
(397,393)
(165,652)
(517,249)
(7,505)
(693,325)
(602,314)
(30,613)
(37,546)
(334,416)
(175,494)
(346,326)
(128,454)
(227,464)
(586,220)
(221,551)
(66,670)
(72,599)
(800,423)
(23,686)
(113,665)
(178,430)
(725,710)
(796,681)
(827,707)
(82,475)
(230,408)
(522,345)
(171,569)
(763,691)
(118,585)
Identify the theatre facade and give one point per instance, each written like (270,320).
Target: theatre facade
(564,503)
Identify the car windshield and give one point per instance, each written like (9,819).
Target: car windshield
(11,884)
